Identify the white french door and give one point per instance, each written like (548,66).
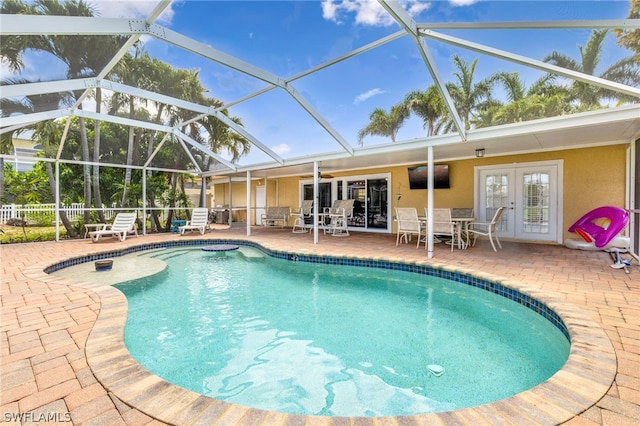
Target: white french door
(532,193)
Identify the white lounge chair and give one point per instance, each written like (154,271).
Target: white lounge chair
(199,221)
(123,224)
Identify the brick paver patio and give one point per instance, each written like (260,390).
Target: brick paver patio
(46,321)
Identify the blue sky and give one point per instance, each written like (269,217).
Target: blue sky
(289,37)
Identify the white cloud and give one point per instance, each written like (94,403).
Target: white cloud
(366,95)
(462,2)
(281,149)
(368,12)
(133,9)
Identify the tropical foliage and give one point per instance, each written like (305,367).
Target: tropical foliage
(549,96)
(94,142)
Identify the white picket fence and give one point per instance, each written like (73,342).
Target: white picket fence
(39,213)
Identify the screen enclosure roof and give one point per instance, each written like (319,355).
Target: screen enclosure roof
(313,112)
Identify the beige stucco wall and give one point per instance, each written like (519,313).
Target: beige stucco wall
(592,177)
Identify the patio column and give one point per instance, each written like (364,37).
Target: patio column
(144,201)
(57,197)
(316,202)
(248,202)
(429,201)
(230,221)
(203,192)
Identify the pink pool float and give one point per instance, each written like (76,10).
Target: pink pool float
(600,229)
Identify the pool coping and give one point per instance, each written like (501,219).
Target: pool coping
(583,380)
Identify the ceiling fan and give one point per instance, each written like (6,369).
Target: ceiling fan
(320,176)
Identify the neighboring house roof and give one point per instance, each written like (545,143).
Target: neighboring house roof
(23,150)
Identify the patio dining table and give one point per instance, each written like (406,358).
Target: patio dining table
(461,227)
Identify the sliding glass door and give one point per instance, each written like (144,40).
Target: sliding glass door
(371,195)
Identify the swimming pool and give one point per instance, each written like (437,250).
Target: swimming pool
(353,354)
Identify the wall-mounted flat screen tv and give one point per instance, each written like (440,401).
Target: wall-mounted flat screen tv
(418,176)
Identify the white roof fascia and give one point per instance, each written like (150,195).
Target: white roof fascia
(532,25)
(407,22)
(202,148)
(533,63)
(439,140)
(590,118)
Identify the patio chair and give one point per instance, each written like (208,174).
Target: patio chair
(199,221)
(302,217)
(123,224)
(408,224)
(462,216)
(487,229)
(443,225)
(462,212)
(338,214)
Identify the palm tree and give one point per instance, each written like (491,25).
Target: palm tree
(469,97)
(130,71)
(429,105)
(625,71)
(47,133)
(542,99)
(631,38)
(83,56)
(383,124)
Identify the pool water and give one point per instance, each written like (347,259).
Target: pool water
(317,339)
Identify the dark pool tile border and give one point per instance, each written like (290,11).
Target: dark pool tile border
(423,269)
(584,379)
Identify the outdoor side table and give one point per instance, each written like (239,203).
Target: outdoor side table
(93,227)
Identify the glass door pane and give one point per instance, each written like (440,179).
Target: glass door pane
(537,203)
(377,203)
(497,190)
(535,192)
(356,190)
(324,194)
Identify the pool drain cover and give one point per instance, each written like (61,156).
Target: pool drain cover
(437,370)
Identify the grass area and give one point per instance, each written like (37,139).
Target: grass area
(16,234)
